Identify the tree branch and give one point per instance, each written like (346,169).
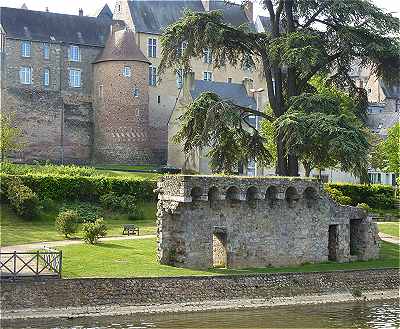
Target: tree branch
(315,15)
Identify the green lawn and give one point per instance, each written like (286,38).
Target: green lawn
(15,230)
(120,170)
(137,258)
(391,228)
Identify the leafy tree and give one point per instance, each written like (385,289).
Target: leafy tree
(386,154)
(323,134)
(307,37)
(10,136)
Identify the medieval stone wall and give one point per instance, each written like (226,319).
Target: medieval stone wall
(56,120)
(262,221)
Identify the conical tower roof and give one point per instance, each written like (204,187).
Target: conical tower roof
(121,46)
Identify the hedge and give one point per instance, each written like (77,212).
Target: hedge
(375,195)
(83,188)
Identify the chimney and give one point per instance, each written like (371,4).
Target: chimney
(24,6)
(249,10)
(206,4)
(80,12)
(248,85)
(47,9)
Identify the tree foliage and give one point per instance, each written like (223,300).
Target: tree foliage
(386,154)
(307,37)
(10,136)
(221,126)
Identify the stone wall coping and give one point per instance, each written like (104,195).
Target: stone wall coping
(209,277)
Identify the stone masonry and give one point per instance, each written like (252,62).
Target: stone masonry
(242,222)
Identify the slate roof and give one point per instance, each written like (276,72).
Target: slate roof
(154,16)
(390,90)
(266,22)
(46,26)
(121,46)
(234,92)
(104,13)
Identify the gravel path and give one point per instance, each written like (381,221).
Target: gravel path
(51,244)
(389,238)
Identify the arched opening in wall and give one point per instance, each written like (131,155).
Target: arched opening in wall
(356,237)
(271,195)
(213,196)
(196,193)
(233,193)
(219,247)
(291,196)
(310,196)
(252,196)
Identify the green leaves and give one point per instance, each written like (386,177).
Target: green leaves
(322,133)
(220,128)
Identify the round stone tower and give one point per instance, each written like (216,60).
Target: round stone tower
(121,102)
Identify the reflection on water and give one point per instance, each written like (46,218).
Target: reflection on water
(383,314)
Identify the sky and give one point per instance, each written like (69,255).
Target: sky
(90,6)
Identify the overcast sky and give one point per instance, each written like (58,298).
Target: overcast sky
(90,6)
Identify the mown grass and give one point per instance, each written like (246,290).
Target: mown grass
(15,230)
(137,258)
(391,228)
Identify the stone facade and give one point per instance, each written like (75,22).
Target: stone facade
(257,223)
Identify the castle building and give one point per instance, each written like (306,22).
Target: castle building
(86,89)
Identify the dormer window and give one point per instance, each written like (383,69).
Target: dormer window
(74,54)
(126,72)
(26,49)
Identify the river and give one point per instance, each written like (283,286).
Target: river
(378,314)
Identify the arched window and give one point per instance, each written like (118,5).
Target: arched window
(252,193)
(213,196)
(233,193)
(310,196)
(196,193)
(291,196)
(271,195)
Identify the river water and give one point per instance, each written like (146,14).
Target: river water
(382,314)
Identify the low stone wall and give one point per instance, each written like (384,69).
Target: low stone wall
(28,295)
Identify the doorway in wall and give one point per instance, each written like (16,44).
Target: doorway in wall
(220,258)
(355,236)
(333,242)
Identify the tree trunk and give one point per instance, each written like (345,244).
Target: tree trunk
(307,169)
(281,162)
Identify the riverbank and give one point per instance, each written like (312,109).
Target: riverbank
(220,305)
(98,297)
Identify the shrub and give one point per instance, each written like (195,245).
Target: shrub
(375,195)
(67,222)
(83,188)
(87,212)
(338,196)
(93,231)
(364,206)
(22,199)
(124,203)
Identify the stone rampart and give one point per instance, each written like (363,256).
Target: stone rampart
(36,295)
(242,222)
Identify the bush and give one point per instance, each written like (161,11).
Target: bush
(338,196)
(87,212)
(124,203)
(93,231)
(22,199)
(364,206)
(70,170)
(83,188)
(67,222)
(375,195)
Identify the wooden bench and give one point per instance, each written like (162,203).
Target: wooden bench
(130,229)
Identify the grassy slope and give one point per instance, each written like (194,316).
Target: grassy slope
(15,230)
(391,228)
(137,258)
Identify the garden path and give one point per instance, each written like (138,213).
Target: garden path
(52,244)
(389,238)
